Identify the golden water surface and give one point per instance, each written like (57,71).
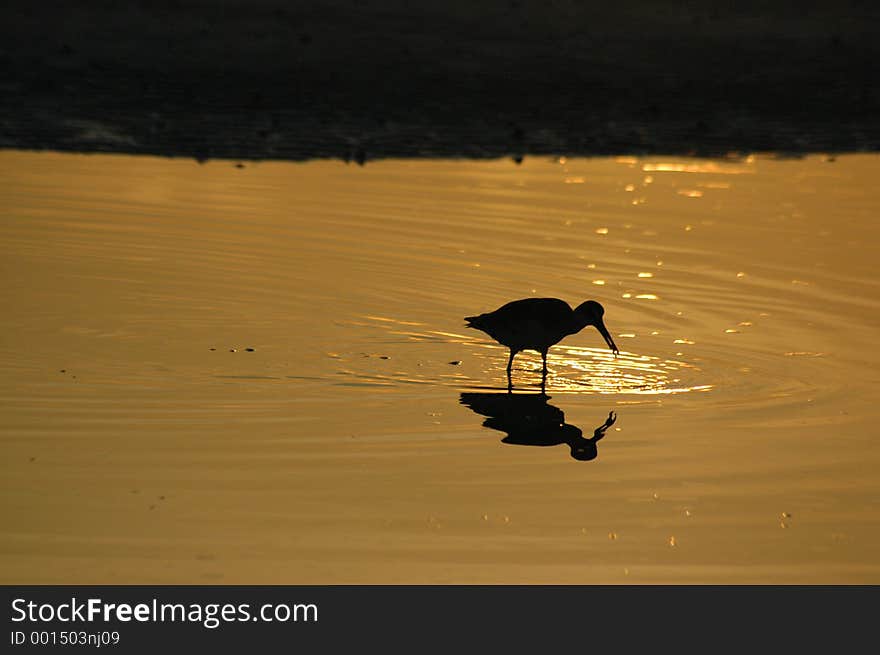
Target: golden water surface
(261,374)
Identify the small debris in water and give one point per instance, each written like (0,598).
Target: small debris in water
(250,350)
(161,497)
(672,542)
(63,370)
(786,515)
(212,349)
(455,362)
(612,536)
(384,357)
(232,350)
(687,512)
(32,459)
(655,496)
(507,519)
(485,517)
(239,165)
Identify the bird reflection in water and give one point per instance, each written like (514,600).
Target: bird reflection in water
(529,420)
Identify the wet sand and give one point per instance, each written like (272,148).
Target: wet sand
(138,448)
(360,80)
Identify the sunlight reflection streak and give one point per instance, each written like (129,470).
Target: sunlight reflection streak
(574,369)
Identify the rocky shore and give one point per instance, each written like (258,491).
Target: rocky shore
(350,79)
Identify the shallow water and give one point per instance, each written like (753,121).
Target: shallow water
(138,447)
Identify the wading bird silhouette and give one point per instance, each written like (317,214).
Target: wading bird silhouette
(538,324)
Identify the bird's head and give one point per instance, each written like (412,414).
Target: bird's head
(584,450)
(591,313)
(581,449)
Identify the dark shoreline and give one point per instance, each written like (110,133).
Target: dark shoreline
(354,80)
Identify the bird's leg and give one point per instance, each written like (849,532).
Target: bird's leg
(509,368)
(544,371)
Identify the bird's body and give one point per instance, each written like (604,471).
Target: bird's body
(530,324)
(538,324)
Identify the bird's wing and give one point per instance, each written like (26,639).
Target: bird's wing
(550,312)
(525,323)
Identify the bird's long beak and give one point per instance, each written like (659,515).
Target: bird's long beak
(604,332)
